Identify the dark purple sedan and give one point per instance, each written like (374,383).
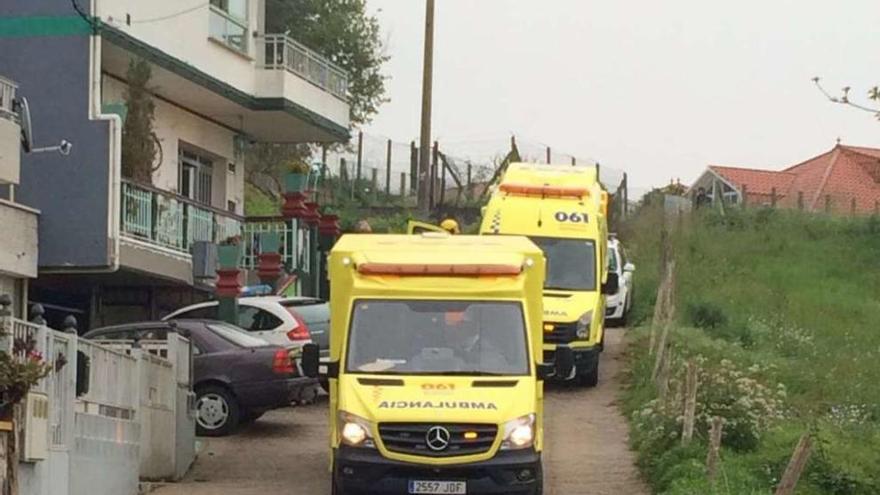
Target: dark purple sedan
(236,377)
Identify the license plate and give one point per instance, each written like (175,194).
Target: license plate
(448,487)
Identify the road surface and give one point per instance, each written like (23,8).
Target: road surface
(286,451)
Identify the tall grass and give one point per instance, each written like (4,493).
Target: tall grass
(798,295)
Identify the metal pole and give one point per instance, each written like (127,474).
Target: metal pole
(427,94)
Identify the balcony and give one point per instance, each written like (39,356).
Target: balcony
(280,52)
(10,135)
(172,222)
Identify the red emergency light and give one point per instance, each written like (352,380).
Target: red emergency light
(435,270)
(545,190)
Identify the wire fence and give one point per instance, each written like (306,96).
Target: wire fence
(373,166)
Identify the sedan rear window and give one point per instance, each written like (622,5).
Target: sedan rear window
(236,336)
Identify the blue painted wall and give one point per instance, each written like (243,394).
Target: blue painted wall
(72,192)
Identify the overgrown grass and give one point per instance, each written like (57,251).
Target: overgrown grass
(796,296)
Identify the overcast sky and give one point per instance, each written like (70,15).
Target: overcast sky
(657,88)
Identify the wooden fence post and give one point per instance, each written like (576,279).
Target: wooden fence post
(827,203)
(374,179)
(796,466)
(773,197)
(548,155)
(663,374)
(801,200)
(852,206)
(432,176)
(403,184)
(690,403)
(360,156)
(574,161)
(388,169)
(714,447)
(413,168)
(745,196)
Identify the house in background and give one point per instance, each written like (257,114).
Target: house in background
(844,180)
(114,249)
(18,222)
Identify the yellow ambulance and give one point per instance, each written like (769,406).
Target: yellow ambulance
(563,210)
(436,364)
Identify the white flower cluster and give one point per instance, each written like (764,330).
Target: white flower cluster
(742,397)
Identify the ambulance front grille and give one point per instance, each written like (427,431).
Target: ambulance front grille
(412,438)
(562,333)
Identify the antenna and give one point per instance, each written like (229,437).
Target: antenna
(27,132)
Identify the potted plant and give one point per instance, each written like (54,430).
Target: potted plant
(19,372)
(297,179)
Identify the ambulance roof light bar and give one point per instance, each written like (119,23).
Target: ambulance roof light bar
(545,190)
(436,270)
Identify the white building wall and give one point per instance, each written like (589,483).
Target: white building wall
(175,126)
(183,32)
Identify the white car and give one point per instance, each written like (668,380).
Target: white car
(286,321)
(617,306)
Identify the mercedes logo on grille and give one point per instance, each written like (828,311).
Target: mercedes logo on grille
(437,438)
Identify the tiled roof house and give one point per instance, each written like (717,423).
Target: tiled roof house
(844,179)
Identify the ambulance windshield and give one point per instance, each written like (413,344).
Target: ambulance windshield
(437,338)
(571,263)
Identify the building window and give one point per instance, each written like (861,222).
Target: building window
(229,23)
(196,177)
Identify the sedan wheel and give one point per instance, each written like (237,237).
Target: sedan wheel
(217,412)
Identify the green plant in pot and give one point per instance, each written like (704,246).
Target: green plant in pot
(297,179)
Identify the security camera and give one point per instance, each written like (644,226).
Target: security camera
(65,147)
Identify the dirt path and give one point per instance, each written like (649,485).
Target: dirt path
(586,435)
(286,451)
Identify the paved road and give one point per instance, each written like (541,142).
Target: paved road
(286,451)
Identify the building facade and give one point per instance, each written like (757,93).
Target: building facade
(18,221)
(116,248)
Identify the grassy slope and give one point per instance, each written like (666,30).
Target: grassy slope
(797,295)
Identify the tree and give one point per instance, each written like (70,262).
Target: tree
(140,147)
(345,33)
(844,98)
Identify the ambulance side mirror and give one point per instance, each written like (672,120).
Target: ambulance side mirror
(564,362)
(611,285)
(545,370)
(311,359)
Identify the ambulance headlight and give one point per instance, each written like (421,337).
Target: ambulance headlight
(583,325)
(355,431)
(519,433)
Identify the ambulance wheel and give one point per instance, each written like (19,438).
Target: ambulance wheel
(590,379)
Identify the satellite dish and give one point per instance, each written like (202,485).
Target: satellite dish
(27,131)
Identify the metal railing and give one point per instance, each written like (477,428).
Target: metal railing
(173,221)
(7,96)
(254,226)
(282,52)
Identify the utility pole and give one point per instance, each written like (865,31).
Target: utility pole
(427,91)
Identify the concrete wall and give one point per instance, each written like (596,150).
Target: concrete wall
(10,151)
(176,126)
(18,242)
(105,457)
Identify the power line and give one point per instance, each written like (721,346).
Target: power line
(170,16)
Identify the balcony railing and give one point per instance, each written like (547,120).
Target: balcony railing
(7,95)
(254,226)
(173,221)
(282,52)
